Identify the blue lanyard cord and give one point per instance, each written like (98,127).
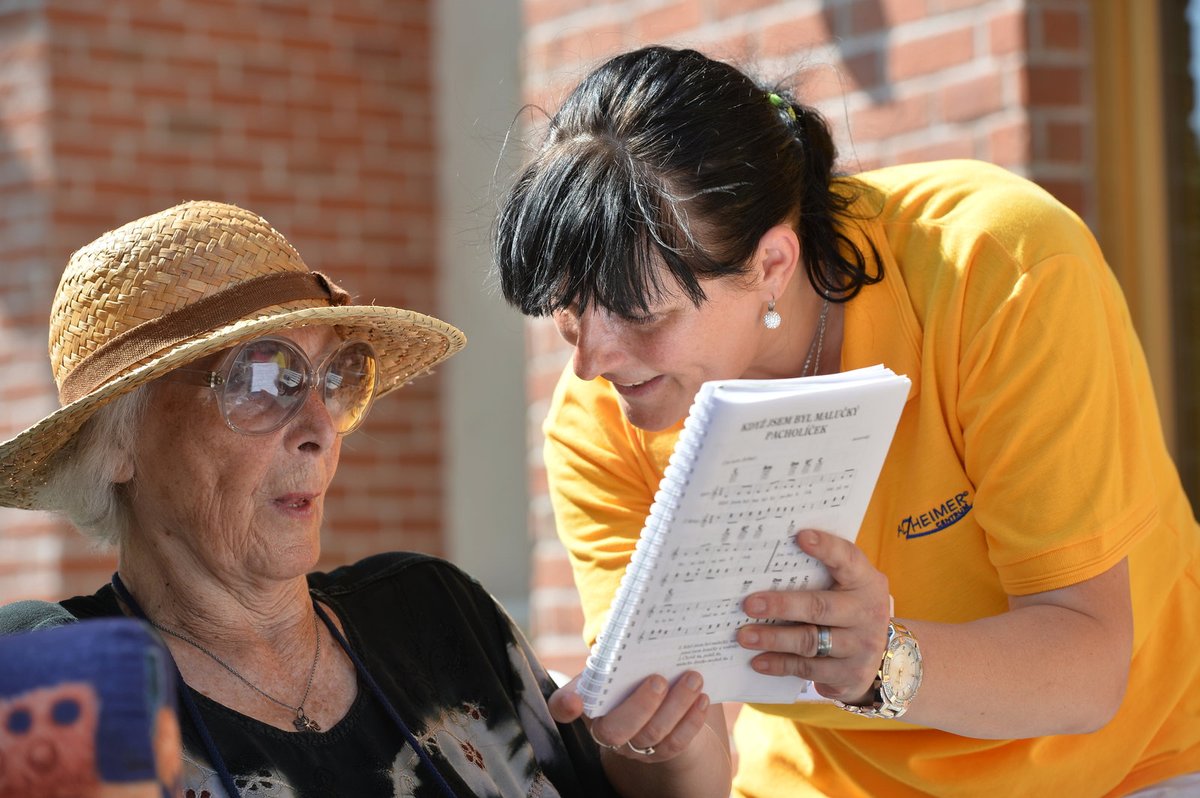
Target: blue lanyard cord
(185,697)
(210,746)
(383,700)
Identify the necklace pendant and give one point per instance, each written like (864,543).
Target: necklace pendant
(304,723)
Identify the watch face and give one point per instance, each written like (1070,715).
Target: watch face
(901,671)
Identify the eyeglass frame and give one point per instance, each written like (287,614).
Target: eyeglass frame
(312,378)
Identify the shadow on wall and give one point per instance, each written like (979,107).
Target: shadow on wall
(860,32)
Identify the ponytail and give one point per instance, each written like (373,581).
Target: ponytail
(835,266)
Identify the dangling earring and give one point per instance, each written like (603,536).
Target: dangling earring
(771,319)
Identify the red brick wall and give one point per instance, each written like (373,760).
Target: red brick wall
(318,115)
(899,80)
(30,549)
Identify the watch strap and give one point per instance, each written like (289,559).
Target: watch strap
(879,706)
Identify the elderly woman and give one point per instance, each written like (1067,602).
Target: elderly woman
(207,378)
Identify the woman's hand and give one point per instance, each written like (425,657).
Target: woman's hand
(1049,643)
(664,740)
(656,723)
(856,609)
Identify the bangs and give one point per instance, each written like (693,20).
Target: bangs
(584,224)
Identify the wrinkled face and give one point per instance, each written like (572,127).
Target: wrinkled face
(241,506)
(656,363)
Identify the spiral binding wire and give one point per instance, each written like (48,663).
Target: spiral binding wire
(594,684)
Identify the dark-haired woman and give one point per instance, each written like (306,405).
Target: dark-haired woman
(683,223)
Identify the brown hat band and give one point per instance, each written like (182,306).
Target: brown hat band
(204,315)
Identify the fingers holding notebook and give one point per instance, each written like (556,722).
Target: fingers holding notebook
(832,637)
(664,738)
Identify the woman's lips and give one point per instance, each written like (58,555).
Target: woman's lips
(298,504)
(635,390)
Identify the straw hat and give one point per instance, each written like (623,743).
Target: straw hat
(175,286)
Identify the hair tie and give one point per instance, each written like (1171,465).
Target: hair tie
(779,102)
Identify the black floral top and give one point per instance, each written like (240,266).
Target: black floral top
(454,667)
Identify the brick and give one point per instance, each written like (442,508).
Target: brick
(867,16)
(538,12)
(556,612)
(903,115)
(1054,86)
(567,663)
(581,45)
(1065,142)
(156,27)
(957,5)
(1007,33)
(951,148)
(667,21)
(900,11)
(736,47)
(972,99)
(105,119)
(1009,145)
(724,9)
(1071,193)
(552,568)
(79,16)
(931,54)
(1061,29)
(864,72)
(794,35)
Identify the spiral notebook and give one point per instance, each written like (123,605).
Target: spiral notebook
(757,461)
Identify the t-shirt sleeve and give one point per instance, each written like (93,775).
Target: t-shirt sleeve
(1053,412)
(601,485)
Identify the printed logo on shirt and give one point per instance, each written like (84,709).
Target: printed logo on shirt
(936,518)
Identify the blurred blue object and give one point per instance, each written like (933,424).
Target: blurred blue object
(87,705)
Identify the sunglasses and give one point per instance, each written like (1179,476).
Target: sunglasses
(262,384)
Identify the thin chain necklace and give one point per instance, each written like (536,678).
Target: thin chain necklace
(817,341)
(210,746)
(302,721)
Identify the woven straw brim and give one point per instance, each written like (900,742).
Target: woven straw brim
(408,344)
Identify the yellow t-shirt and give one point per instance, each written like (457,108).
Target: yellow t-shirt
(1029,457)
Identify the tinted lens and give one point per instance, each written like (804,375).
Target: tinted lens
(266,381)
(349,384)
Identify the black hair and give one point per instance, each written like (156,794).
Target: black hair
(665,155)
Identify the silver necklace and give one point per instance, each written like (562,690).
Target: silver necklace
(817,341)
(302,721)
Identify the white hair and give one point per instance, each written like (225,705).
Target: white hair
(82,484)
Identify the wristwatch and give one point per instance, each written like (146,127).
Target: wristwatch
(899,677)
